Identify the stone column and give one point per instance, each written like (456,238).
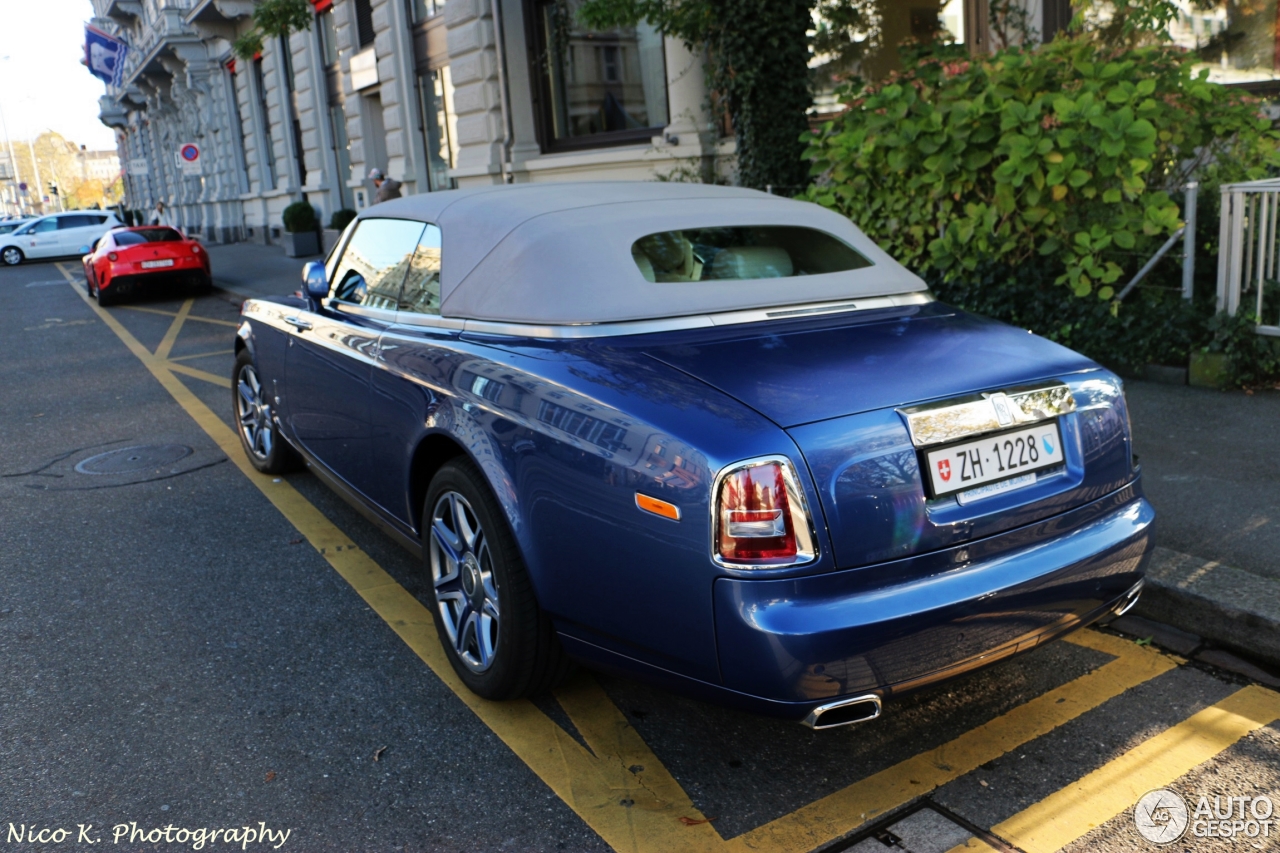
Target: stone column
(473,64)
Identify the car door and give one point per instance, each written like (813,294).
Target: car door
(43,240)
(413,358)
(330,351)
(76,233)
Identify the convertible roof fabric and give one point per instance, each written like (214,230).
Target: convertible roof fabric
(560,253)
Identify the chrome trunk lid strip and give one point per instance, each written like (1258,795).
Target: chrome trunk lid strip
(948,420)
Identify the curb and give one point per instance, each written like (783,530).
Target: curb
(1228,606)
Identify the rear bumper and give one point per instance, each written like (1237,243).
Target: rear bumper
(161,278)
(807,641)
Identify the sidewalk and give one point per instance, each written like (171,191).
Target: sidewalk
(1211,468)
(248,270)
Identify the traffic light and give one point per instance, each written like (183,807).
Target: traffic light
(53,188)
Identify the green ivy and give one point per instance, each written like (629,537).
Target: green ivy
(758,64)
(1067,153)
(273,19)
(1253,360)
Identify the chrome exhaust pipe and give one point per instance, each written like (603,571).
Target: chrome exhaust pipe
(845,712)
(1130,599)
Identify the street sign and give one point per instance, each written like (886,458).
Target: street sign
(139,166)
(189,159)
(22,187)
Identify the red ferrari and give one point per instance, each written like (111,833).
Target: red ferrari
(126,260)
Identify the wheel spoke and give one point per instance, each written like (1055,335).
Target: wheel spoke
(466,633)
(444,562)
(465,530)
(485,639)
(447,539)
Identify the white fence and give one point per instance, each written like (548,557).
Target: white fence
(1249,254)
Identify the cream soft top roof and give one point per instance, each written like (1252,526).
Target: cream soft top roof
(560,253)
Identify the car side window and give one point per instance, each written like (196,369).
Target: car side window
(375,261)
(45,225)
(65,223)
(421,291)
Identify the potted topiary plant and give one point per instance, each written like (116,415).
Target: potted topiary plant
(337,222)
(300,230)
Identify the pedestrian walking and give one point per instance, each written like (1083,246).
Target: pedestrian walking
(387,188)
(158,215)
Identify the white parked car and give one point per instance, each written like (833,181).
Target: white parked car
(56,235)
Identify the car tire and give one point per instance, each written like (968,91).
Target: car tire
(104,299)
(12,256)
(499,641)
(256,423)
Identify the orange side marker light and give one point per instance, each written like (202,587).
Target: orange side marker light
(658,507)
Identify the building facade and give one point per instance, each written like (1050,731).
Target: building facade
(435,93)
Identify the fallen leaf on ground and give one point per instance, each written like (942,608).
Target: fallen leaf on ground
(377,753)
(271,774)
(689,821)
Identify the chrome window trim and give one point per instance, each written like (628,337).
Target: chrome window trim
(430,321)
(669,324)
(337,306)
(975,414)
(806,551)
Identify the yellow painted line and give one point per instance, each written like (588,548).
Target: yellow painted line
(195,373)
(174,358)
(842,812)
(1084,805)
(637,811)
(194,317)
(171,334)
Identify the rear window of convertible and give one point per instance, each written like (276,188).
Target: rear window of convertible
(145,235)
(742,252)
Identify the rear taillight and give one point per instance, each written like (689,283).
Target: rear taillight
(760,516)
(112,256)
(195,250)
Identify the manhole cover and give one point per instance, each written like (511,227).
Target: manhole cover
(128,459)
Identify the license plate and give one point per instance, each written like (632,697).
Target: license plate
(1007,459)
(150,265)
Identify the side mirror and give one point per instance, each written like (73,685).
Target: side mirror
(314,280)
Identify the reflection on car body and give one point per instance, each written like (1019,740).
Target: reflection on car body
(680,432)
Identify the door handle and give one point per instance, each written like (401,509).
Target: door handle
(299,324)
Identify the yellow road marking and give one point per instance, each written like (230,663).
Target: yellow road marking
(196,317)
(196,373)
(1091,801)
(640,810)
(171,335)
(174,358)
(842,812)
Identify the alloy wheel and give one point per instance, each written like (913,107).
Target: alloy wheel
(254,413)
(465,585)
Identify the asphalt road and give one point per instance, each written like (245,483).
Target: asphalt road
(176,653)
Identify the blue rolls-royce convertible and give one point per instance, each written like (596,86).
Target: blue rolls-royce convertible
(702,436)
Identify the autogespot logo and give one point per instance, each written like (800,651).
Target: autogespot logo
(1161,816)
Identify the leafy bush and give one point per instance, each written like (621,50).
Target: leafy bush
(341,219)
(300,217)
(1156,325)
(1253,360)
(1066,153)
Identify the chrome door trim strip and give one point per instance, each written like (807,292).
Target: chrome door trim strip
(668,324)
(961,417)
